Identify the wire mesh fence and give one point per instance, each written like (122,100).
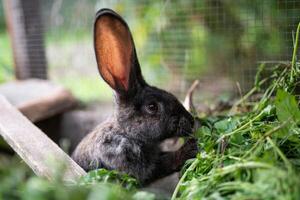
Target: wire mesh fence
(219,42)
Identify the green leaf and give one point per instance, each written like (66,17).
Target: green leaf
(286,107)
(109,176)
(227,125)
(203,131)
(237,138)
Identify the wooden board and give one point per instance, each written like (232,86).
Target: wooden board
(37,99)
(33,146)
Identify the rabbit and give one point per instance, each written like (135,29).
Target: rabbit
(144,115)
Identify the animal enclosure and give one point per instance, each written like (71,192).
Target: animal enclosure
(178,41)
(245,101)
(218,42)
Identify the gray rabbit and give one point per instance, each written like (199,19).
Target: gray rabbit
(144,116)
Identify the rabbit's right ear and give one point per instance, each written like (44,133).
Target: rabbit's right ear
(115,53)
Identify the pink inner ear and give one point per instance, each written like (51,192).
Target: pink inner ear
(113,47)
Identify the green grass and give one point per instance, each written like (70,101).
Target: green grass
(252,152)
(251,155)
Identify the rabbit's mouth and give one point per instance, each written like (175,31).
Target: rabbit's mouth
(184,132)
(180,127)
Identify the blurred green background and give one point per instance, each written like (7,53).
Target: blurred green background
(219,42)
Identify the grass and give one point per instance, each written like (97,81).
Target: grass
(253,154)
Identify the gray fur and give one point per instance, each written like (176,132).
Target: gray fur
(129,141)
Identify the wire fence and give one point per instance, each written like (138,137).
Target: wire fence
(219,42)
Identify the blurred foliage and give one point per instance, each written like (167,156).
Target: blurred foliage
(103,175)
(2,19)
(227,37)
(87,89)
(177,41)
(18,182)
(184,40)
(6,61)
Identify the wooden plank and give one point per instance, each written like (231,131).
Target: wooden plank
(33,146)
(37,99)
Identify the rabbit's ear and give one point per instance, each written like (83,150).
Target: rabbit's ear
(115,52)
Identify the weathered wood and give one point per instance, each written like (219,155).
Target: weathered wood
(37,99)
(33,146)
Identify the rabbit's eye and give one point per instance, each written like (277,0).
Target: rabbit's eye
(152,108)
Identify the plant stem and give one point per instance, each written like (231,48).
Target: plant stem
(279,79)
(191,167)
(269,91)
(295,54)
(285,160)
(241,127)
(270,132)
(246,96)
(231,168)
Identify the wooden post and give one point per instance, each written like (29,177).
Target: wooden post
(26,31)
(33,146)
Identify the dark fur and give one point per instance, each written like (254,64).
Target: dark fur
(129,141)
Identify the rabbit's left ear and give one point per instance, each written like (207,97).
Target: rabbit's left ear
(115,52)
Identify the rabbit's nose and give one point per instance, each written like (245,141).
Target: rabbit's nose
(186,122)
